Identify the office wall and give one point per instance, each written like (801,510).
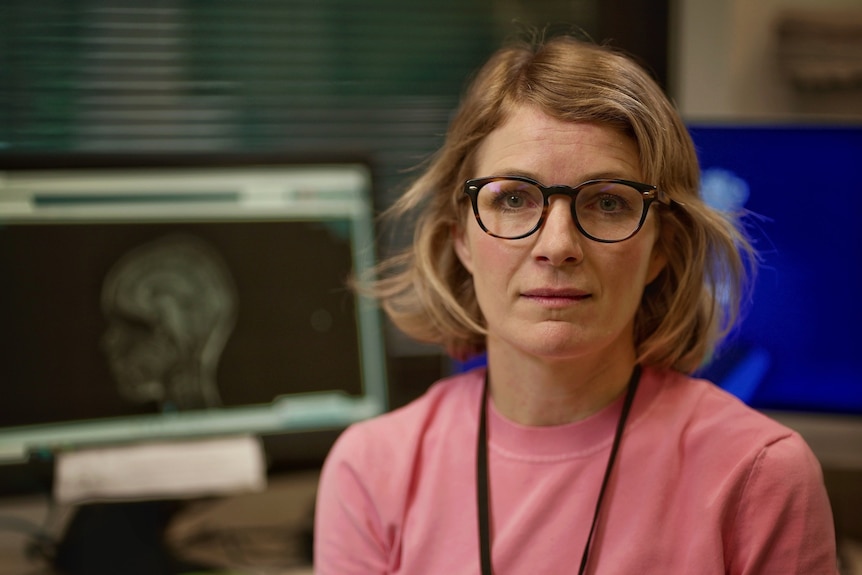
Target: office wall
(726,61)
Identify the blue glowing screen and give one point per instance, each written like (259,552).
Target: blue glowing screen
(800,346)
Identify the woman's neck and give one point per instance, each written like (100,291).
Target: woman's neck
(535,391)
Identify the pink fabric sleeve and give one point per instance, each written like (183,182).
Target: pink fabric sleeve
(783,523)
(349,535)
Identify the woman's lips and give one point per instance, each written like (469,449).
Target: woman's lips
(556,297)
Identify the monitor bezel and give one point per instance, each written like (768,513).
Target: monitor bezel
(204,190)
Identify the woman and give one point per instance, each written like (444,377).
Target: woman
(561,232)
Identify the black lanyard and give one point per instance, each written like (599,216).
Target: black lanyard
(482,475)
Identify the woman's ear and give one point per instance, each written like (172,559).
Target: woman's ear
(658,261)
(658,257)
(462,247)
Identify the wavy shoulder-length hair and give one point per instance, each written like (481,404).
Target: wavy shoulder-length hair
(684,312)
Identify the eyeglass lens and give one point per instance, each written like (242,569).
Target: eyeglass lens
(605,210)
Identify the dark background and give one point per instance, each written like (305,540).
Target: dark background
(105,84)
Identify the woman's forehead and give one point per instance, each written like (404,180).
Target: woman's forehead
(532,143)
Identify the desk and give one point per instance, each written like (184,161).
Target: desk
(196,534)
(25,512)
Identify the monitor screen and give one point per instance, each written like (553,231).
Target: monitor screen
(175,303)
(799,346)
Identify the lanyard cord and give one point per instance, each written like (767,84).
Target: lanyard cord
(482,475)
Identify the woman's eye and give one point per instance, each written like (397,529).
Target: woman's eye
(514,201)
(510,198)
(608,200)
(610,204)
(511,201)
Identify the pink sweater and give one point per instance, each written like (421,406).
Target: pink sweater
(702,485)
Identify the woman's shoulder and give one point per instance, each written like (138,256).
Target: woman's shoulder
(743,471)
(714,421)
(447,405)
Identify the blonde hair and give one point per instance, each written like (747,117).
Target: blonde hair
(695,300)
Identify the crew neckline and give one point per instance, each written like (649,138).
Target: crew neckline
(581,438)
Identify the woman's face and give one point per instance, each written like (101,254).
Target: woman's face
(557,294)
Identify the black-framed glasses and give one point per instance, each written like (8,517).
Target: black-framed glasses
(604,210)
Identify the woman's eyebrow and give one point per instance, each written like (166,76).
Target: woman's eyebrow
(601,175)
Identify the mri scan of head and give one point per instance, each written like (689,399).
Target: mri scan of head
(170,306)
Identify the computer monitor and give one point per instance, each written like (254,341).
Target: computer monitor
(799,347)
(156,303)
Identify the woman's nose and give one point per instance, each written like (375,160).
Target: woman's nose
(558,240)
